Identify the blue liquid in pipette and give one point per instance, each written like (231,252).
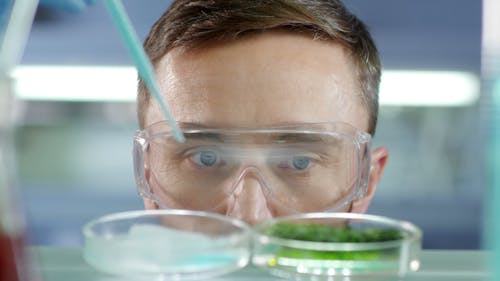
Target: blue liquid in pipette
(144,67)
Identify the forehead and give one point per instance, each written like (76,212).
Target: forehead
(266,79)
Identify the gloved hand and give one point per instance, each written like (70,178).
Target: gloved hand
(74,6)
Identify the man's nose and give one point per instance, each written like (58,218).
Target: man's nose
(249,198)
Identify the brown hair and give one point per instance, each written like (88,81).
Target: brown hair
(189,24)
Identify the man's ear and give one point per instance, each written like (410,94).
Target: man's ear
(149,204)
(378,160)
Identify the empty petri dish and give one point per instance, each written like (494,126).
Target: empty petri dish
(337,246)
(166,244)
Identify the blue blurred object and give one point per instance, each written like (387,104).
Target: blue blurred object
(5,8)
(73,6)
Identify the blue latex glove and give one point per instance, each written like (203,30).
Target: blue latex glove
(5,9)
(74,6)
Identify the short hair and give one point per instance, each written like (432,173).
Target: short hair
(190,24)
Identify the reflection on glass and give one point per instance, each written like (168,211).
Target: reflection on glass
(491,80)
(15,21)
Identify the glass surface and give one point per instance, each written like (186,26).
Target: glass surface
(166,244)
(11,228)
(385,248)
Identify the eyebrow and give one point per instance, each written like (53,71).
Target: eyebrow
(298,137)
(303,137)
(203,136)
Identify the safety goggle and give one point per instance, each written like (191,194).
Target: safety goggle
(285,169)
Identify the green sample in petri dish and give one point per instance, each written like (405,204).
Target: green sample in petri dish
(322,245)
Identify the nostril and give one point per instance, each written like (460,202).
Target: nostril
(252,221)
(250,217)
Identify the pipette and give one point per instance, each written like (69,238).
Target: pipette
(143,64)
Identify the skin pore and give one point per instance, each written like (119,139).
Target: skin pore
(273,78)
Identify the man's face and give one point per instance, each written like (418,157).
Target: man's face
(275,78)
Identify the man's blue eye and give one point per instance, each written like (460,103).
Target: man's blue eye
(208,158)
(301,162)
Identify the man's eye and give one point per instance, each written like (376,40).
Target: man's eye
(301,162)
(297,163)
(205,158)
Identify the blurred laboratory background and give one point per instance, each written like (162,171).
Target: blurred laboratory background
(75,118)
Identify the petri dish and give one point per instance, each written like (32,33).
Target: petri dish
(166,244)
(337,246)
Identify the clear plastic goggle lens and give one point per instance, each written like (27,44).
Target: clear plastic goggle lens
(293,170)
